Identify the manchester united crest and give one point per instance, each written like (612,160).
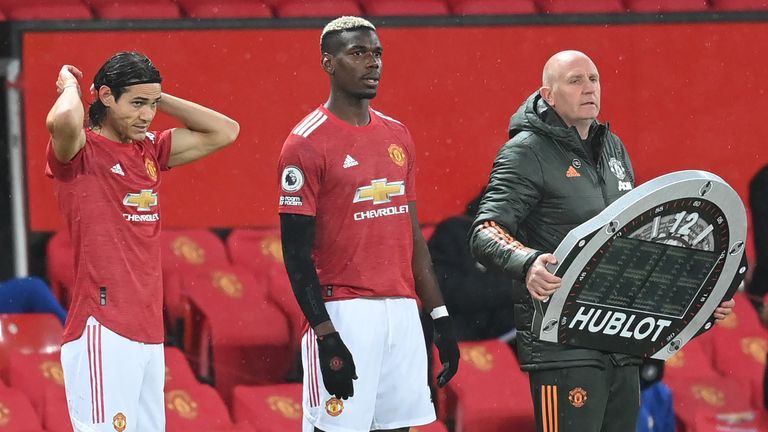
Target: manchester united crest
(397,154)
(578,397)
(334,407)
(478,357)
(119,422)
(52,370)
(186,248)
(617,168)
(5,415)
(151,168)
(756,347)
(228,283)
(710,395)
(286,406)
(271,247)
(180,402)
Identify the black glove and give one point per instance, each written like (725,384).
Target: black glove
(336,365)
(445,341)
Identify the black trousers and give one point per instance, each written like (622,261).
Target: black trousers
(586,399)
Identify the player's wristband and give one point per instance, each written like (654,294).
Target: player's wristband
(439,312)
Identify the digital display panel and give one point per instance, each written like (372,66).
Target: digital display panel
(655,278)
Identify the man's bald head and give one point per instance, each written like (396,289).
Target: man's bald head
(559,64)
(571,85)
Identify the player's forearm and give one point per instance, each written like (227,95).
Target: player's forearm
(65,122)
(219,129)
(424,277)
(298,234)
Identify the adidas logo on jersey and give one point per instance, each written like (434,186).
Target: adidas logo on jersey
(572,172)
(350,162)
(117,169)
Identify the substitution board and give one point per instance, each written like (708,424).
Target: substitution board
(645,275)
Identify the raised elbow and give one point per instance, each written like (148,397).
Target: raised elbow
(231,132)
(64,120)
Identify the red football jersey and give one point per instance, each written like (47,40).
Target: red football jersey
(356,182)
(108,195)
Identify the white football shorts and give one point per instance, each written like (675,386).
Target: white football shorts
(387,345)
(113,383)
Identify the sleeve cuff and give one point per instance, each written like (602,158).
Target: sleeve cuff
(529,262)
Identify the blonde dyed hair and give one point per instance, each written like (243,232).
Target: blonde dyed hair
(345,23)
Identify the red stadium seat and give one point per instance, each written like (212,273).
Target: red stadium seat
(2,16)
(56,415)
(185,251)
(135,9)
(28,334)
(225,9)
(195,408)
(233,320)
(30,10)
(258,250)
(738,345)
(730,421)
(493,7)
(216,288)
(651,6)
(744,318)
(743,356)
(317,8)
(34,374)
(581,6)
(261,252)
(275,408)
(739,5)
(697,399)
(693,361)
(178,372)
(16,413)
(489,372)
(405,7)
(188,249)
(60,266)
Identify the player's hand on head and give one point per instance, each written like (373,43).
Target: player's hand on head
(724,309)
(540,282)
(336,365)
(448,348)
(68,77)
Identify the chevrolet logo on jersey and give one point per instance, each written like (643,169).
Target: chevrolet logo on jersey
(144,200)
(380,191)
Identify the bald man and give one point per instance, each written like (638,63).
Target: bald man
(559,168)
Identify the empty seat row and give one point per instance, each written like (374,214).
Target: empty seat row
(211,9)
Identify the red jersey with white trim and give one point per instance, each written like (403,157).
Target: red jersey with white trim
(108,195)
(356,182)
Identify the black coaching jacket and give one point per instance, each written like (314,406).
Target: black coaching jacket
(546,181)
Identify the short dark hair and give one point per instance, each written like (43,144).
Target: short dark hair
(122,70)
(329,39)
